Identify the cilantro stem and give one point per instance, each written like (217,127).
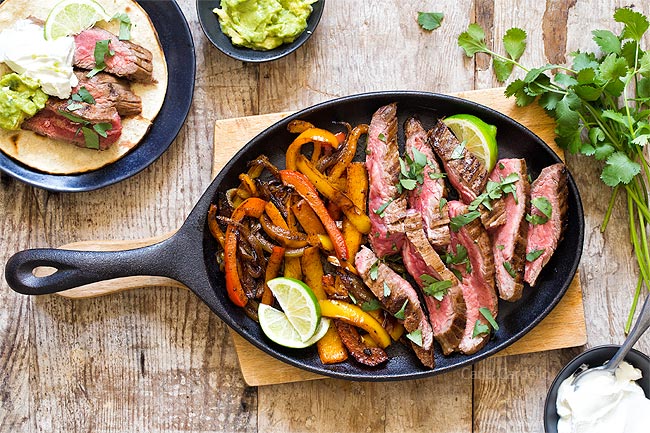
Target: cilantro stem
(635,301)
(506,59)
(610,208)
(632,193)
(643,266)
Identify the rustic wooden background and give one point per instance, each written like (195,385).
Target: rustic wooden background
(158,360)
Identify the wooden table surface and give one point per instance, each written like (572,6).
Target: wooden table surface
(157,360)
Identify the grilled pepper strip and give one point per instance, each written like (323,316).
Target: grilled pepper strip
(355,316)
(356,216)
(312,135)
(253,207)
(272,271)
(306,190)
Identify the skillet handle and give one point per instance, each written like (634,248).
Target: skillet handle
(75,268)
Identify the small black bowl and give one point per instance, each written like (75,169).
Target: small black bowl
(212,29)
(594,357)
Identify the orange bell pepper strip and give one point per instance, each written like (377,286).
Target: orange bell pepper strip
(349,151)
(306,190)
(253,207)
(357,317)
(312,135)
(272,271)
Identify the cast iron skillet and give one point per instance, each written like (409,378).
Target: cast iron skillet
(188,256)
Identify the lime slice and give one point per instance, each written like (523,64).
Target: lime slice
(479,137)
(277,327)
(70,17)
(298,303)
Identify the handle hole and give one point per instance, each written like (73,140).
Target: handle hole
(44,271)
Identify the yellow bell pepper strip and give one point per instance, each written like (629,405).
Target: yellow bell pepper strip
(253,207)
(272,271)
(356,216)
(357,317)
(213,226)
(312,135)
(276,216)
(358,193)
(330,348)
(313,271)
(299,126)
(348,152)
(301,184)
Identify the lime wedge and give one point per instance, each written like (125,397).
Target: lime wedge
(480,138)
(70,17)
(277,327)
(299,304)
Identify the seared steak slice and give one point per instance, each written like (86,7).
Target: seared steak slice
(477,282)
(108,90)
(509,240)
(496,216)
(398,297)
(425,198)
(93,113)
(51,124)
(386,207)
(130,60)
(552,183)
(447,316)
(465,172)
(361,352)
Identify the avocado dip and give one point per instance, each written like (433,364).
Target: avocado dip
(20,97)
(263,24)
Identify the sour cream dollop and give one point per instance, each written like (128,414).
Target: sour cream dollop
(604,403)
(24,49)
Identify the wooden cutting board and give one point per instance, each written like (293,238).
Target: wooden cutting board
(563,327)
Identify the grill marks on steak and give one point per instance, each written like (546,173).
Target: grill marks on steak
(386,206)
(552,183)
(509,240)
(447,317)
(466,173)
(108,90)
(130,60)
(477,285)
(51,124)
(425,198)
(399,295)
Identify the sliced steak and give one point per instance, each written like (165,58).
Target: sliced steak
(108,90)
(397,295)
(495,217)
(130,60)
(51,124)
(386,206)
(361,352)
(509,240)
(447,316)
(477,283)
(465,172)
(426,198)
(552,183)
(93,113)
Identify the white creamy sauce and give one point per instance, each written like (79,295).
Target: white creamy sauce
(24,49)
(604,403)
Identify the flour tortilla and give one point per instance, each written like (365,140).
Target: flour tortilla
(57,157)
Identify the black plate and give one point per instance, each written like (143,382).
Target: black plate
(177,44)
(212,30)
(198,270)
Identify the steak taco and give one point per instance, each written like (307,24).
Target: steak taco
(87,107)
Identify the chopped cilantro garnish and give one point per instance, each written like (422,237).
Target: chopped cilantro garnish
(434,287)
(400,314)
(488,316)
(508,267)
(544,206)
(371,305)
(415,337)
(386,290)
(374,270)
(102,49)
(383,207)
(125,26)
(534,255)
(457,153)
(382,137)
(480,329)
(461,220)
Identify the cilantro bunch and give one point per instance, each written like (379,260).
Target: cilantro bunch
(601,105)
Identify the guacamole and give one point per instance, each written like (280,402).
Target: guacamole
(20,97)
(263,24)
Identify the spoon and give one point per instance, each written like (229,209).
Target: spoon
(642,324)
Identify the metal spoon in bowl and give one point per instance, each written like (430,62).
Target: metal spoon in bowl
(642,324)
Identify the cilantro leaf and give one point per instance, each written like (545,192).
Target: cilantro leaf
(433,287)
(415,337)
(101,128)
(102,49)
(125,26)
(514,42)
(83,95)
(480,329)
(374,270)
(607,41)
(430,20)
(485,312)
(508,267)
(457,153)
(383,207)
(635,23)
(472,41)
(386,290)
(401,313)
(619,168)
(502,69)
(534,255)
(371,305)
(90,137)
(544,206)
(461,220)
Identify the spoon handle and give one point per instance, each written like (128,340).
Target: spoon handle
(642,324)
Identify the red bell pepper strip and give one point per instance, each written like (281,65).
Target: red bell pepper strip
(253,207)
(306,190)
